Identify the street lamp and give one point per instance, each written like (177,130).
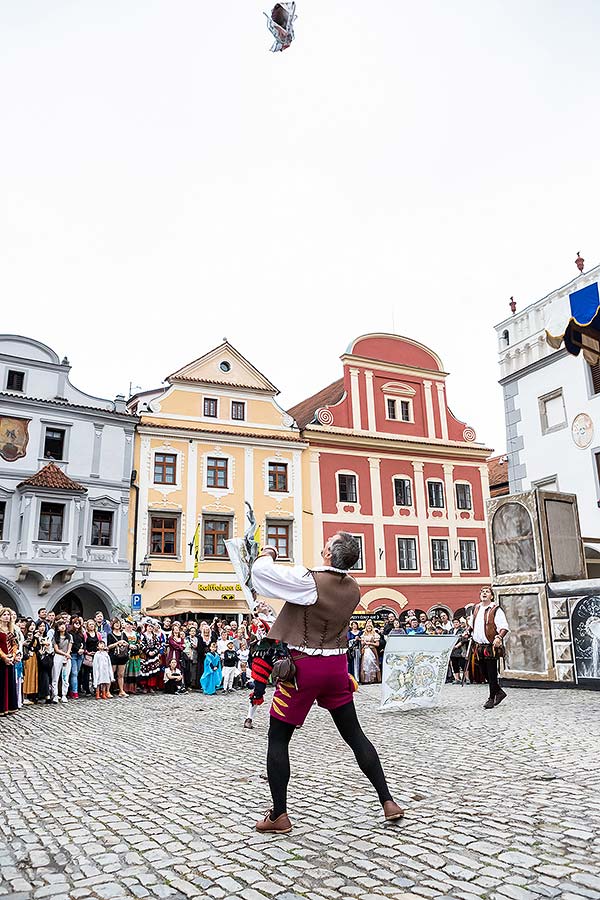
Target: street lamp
(145,567)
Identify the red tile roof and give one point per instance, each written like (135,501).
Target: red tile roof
(498,471)
(51,476)
(304,412)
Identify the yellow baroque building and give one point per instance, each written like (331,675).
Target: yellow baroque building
(212,437)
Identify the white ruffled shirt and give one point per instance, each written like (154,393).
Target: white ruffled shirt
(293,584)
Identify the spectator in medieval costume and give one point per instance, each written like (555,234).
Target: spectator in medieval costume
(133,664)
(354,650)
(370,671)
(118,650)
(77,653)
(150,652)
(30,664)
(458,656)
(175,645)
(8,653)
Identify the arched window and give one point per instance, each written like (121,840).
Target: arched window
(505,338)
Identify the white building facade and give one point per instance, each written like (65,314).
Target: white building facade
(65,472)
(552,410)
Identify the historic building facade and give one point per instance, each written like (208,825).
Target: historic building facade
(65,468)
(209,440)
(552,410)
(388,462)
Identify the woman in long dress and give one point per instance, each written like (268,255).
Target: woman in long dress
(133,664)
(370,673)
(8,652)
(30,665)
(354,650)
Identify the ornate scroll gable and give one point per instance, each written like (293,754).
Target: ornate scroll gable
(14,437)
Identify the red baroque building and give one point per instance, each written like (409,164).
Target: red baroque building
(389,462)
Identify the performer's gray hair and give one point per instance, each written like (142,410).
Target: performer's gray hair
(345,551)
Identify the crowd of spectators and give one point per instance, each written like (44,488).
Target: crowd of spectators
(366,645)
(60,657)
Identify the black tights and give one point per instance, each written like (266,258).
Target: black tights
(278,757)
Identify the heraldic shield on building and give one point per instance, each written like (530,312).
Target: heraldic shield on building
(211,439)
(65,468)
(390,463)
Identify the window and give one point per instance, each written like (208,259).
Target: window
(407,554)
(278,536)
(468,556)
(553,415)
(595,378)
(52,517)
(359,564)
(435,491)
(165,468)
(402,492)
(15,381)
(347,488)
(216,532)
(463,496)
(238,410)
(54,443)
(439,553)
(163,535)
(210,408)
(278,476)
(398,409)
(2,518)
(225,366)
(102,523)
(216,472)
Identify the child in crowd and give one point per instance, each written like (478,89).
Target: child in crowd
(102,672)
(243,654)
(173,678)
(230,669)
(211,678)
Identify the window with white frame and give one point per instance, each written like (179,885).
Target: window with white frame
(217,469)
(468,555)
(238,410)
(279,536)
(347,489)
(553,415)
(402,492)
(464,498)
(435,494)
(15,380)
(102,528)
(52,521)
(398,410)
(359,565)
(211,407)
(407,554)
(440,556)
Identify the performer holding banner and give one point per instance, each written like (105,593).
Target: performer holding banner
(314,623)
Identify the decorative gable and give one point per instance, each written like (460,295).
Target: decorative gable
(224,366)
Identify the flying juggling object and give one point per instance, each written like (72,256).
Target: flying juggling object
(281,25)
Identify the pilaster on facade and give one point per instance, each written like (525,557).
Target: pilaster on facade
(315,499)
(452,528)
(421,506)
(191,501)
(442,408)
(355,392)
(371,422)
(97,450)
(297,482)
(144,487)
(427,386)
(377,501)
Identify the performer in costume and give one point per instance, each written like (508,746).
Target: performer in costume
(265,653)
(490,627)
(314,623)
(212,675)
(370,671)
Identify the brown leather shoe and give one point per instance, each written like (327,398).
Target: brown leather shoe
(392,811)
(500,696)
(280,825)
(248,723)
(489,703)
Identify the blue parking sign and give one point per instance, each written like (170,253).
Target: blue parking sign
(136,603)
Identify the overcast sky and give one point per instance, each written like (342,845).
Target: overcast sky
(165,181)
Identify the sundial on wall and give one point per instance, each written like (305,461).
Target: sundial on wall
(582,431)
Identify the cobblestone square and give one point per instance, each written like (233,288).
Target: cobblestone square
(156,797)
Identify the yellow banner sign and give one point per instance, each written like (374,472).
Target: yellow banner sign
(219,588)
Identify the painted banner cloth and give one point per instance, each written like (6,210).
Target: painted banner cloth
(414,670)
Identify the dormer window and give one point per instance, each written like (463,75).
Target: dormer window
(15,381)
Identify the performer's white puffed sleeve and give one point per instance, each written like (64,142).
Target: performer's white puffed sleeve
(501,620)
(294,584)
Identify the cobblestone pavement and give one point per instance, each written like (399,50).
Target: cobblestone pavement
(157,796)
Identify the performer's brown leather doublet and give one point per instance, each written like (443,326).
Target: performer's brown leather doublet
(324,624)
(489,620)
